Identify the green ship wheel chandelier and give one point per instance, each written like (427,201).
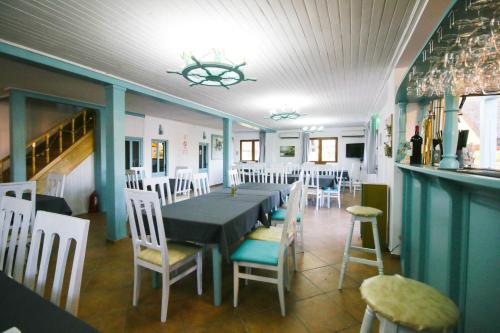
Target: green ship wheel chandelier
(212,73)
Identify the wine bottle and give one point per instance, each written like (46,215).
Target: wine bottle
(416,147)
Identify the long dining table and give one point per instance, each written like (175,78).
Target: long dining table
(221,219)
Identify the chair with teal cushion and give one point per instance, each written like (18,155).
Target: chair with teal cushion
(269,255)
(279,215)
(334,192)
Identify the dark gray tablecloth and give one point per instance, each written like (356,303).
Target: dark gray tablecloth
(324,181)
(216,218)
(283,190)
(26,310)
(51,204)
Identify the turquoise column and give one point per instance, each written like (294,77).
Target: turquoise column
(401,130)
(227,128)
(17,102)
(450,133)
(100,157)
(115,162)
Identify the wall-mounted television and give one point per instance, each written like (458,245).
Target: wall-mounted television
(354,150)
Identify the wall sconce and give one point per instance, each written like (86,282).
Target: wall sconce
(204,135)
(160,130)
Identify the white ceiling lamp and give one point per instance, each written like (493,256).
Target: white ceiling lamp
(312,129)
(285,113)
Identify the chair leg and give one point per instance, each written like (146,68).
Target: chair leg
(165,291)
(236,285)
(345,259)
(366,326)
(199,272)
(338,198)
(281,291)
(248,270)
(380,264)
(317,201)
(137,284)
(301,231)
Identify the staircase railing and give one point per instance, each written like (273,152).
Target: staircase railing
(52,143)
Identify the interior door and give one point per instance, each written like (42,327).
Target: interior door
(159,157)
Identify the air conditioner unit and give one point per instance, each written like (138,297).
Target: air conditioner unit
(356,133)
(290,135)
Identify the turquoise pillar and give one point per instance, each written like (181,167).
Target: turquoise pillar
(227,128)
(100,157)
(401,130)
(17,102)
(450,132)
(115,162)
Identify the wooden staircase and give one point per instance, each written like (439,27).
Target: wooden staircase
(72,138)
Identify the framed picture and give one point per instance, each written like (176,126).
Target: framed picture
(217,144)
(287,151)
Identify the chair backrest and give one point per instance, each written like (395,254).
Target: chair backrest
(161,185)
(18,189)
(313,176)
(148,233)
(15,217)
(303,197)
(183,179)
(54,184)
(274,175)
(200,184)
(131,179)
(290,223)
(68,229)
(140,172)
(340,173)
(234,179)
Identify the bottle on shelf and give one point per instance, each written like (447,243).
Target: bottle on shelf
(416,148)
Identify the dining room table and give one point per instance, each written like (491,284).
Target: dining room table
(24,309)
(325,181)
(50,203)
(219,219)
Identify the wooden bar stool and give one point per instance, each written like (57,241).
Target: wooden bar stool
(362,214)
(406,306)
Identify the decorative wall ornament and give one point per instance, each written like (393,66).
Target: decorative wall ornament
(185,145)
(217,147)
(212,69)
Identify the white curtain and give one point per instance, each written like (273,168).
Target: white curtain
(370,155)
(262,149)
(305,147)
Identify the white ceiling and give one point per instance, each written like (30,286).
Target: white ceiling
(328,59)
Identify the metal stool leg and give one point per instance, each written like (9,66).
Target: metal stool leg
(345,259)
(366,326)
(376,240)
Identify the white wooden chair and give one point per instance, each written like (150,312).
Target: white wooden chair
(54,184)
(275,175)
(18,189)
(162,186)
(201,185)
(151,250)
(234,179)
(15,217)
(182,188)
(313,189)
(131,179)
(340,176)
(140,172)
(349,181)
(333,193)
(68,229)
(269,255)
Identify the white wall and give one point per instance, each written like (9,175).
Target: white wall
(176,133)
(80,183)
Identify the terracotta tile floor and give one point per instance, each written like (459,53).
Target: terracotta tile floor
(313,305)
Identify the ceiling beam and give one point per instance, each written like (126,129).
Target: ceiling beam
(46,60)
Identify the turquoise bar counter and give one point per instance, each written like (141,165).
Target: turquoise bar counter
(451,240)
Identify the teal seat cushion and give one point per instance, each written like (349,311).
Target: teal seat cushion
(257,252)
(279,215)
(331,190)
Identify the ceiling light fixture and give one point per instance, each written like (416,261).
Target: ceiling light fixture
(312,129)
(212,69)
(285,113)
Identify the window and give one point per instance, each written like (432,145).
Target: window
(249,150)
(203,157)
(133,152)
(158,157)
(323,150)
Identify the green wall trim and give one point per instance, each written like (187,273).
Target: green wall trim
(55,99)
(96,76)
(17,137)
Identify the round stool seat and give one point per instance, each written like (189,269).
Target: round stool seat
(409,303)
(364,211)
